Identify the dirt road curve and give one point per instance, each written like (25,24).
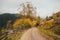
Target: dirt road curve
(32,34)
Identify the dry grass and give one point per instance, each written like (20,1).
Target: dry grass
(49,34)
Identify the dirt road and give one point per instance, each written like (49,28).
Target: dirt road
(32,34)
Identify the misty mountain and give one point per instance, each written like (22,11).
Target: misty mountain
(6,17)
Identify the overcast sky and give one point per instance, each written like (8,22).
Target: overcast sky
(44,7)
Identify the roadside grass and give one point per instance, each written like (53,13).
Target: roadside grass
(15,36)
(51,35)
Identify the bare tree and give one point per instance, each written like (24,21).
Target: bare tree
(28,9)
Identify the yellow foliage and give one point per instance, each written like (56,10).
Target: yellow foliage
(23,21)
(49,23)
(34,23)
(54,16)
(17,22)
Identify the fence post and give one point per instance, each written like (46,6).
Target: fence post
(6,36)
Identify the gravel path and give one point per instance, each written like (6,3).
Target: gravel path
(32,34)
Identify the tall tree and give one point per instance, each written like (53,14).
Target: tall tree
(28,9)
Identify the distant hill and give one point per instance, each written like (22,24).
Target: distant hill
(6,17)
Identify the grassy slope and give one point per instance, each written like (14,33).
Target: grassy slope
(49,33)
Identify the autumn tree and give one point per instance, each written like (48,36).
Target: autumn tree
(28,9)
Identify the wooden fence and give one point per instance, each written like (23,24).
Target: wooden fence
(4,36)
